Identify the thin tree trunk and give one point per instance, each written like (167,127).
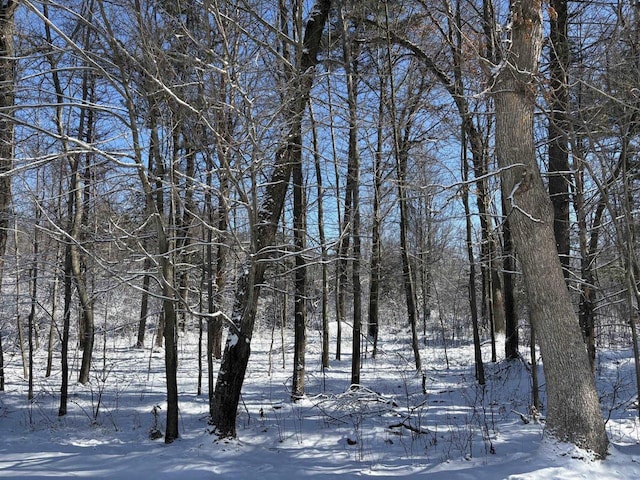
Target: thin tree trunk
(407,271)
(66,323)
(586,307)
(33,294)
(79,277)
(573,407)
(559,176)
(401,153)
(352,196)
(18,295)
(376,253)
(535,391)
(144,304)
(54,309)
(237,348)
(300,304)
(509,267)
(324,255)
(473,303)
(342,268)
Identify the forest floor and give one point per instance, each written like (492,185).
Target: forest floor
(388,428)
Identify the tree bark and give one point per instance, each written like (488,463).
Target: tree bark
(573,407)
(7,96)
(509,268)
(237,348)
(559,176)
(352,195)
(376,253)
(300,295)
(473,302)
(324,255)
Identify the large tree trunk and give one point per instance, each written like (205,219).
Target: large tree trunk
(573,409)
(237,348)
(7,95)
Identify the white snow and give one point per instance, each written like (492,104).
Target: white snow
(387,428)
(232,340)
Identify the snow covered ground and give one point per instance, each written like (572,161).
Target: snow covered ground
(387,429)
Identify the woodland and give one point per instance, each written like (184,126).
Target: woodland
(195,180)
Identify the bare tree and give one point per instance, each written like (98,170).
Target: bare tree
(237,348)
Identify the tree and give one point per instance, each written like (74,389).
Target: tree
(7,96)
(559,177)
(238,347)
(573,407)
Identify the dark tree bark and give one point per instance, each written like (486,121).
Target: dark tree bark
(559,176)
(509,267)
(352,192)
(237,348)
(376,251)
(66,323)
(300,295)
(473,302)
(573,408)
(144,304)
(324,254)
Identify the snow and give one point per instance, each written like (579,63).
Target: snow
(384,428)
(232,340)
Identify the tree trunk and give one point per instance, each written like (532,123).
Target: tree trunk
(33,290)
(324,255)
(376,253)
(559,176)
(86,303)
(401,153)
(300,295)
(473,302)
(66,324)
(221,257)
(352,196)
(573,408)
(144,304)
(342,268)
(237,348)
(7,96)
(54,307)
(407,271)
(535,390)
(509,267)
